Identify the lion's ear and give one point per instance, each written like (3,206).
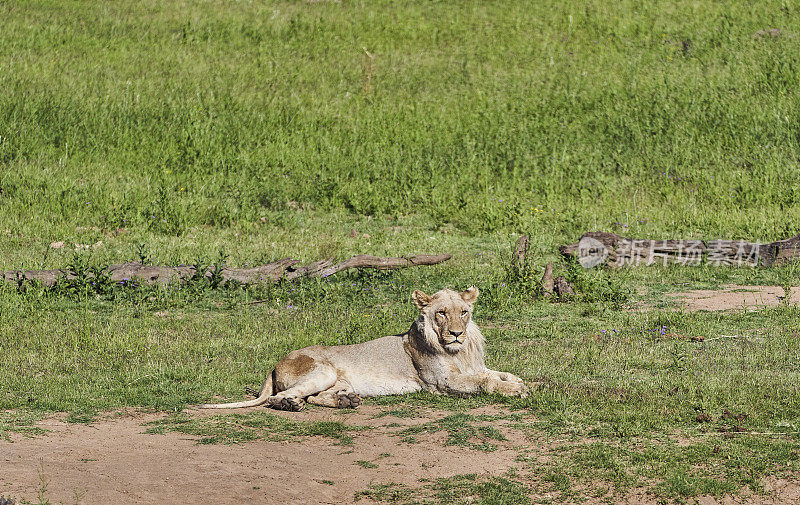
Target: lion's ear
(470,295)
(421,299)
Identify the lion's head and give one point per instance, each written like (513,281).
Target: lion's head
(446,323)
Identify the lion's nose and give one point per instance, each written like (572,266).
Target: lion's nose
(456,333)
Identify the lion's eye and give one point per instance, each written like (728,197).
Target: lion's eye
(441,313)
(464,313)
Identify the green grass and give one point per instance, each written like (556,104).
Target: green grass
(182,133)
(460,430)
(164,118)
(366,464)
(238,428)
(459,489)
(702,465)
(21,423)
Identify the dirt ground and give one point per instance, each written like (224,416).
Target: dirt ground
(733,297)
(114,461)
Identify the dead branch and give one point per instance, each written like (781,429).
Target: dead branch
(547,280)
(272,272)
(521,252)
(563,289)
(597,248)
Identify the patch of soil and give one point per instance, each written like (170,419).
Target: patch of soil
(733,297)
(114,461)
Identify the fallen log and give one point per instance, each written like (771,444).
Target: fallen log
(598,248)
(272,272)
(367,261)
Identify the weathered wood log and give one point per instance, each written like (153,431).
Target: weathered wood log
(272,272)
(518,260)
(309,270)
(547,280)
(781,251)
(563,289)
(367,261)
(596,248)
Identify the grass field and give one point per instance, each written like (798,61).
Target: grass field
(183,132)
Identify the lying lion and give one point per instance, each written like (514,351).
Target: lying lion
(442,352)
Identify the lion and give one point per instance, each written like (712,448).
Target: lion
(441,353)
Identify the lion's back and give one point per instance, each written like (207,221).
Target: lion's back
(376,367)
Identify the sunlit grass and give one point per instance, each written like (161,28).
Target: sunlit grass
(667,119)
(183,132)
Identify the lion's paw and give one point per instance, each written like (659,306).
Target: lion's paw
(509,377)
(290,403)
(348,401)
(521,390)
(508,388)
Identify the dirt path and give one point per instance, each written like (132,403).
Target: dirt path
(114,461)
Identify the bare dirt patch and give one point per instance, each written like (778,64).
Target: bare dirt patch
(115,461)
(734,297)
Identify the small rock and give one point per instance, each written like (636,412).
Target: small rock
(353,233)
(366,235)
(57,245)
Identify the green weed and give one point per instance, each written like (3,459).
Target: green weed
(458,489)
(238,428)
(21,422)
(460,431)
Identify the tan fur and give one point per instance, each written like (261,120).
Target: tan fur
(442,352)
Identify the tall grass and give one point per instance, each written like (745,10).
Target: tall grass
(505,115)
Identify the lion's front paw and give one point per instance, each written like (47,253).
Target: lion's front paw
(348,401)
(509,388)
(523,391)
(291,403)
(509,377)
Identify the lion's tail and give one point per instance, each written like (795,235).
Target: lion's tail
(263,395)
